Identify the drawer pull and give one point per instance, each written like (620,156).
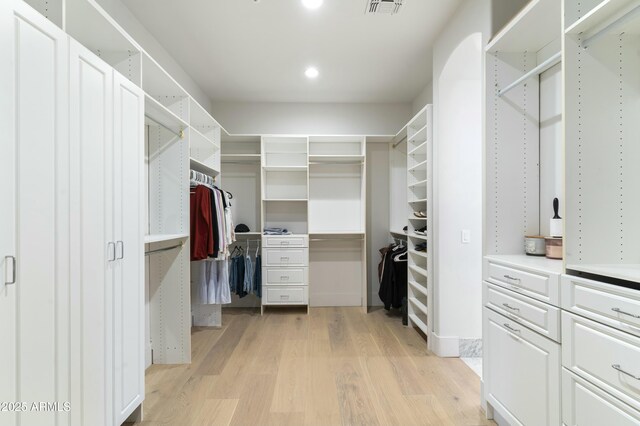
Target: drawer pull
(284,257)
(618,368)
(508,327)
(506,305)
(284,296)
(620,311)
(284,277)
(509,277)
(284,243)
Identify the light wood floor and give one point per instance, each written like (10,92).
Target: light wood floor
(335,366)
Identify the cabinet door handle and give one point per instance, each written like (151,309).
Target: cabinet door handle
(618,368)
(111,251)
(120,248)
(11,280)
(508,327)
(506,305)
(620,311)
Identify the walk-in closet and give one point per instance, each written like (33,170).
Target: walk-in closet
(320,212)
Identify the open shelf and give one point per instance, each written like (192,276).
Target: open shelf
(162,238)
(418,269)
(161,115)
(418,149)
(422,182)
(347,159)
(419,237)
(400,233)
(161,87)
(418,304)
(285,199)
(419,288)
(423,200)
(202,168)
(284,168)
(240,158)
(420,136)
(247,235)
(537,25)
(89,24)
(417,123)
(415,320)
(418,253)
(203,122)
(600,14)
(284,151)
(418,166)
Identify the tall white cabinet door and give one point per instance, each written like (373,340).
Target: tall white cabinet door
(128,307)
(93,247)
(34,214)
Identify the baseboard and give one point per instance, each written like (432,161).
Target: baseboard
(445,346)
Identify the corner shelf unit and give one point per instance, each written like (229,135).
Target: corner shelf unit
(419,193)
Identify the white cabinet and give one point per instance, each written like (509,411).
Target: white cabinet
(106,233)
(285,272)
(128,288)
(522,372)
(606,357)
(583,404)
(34,219)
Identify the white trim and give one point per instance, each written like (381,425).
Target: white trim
(445,346)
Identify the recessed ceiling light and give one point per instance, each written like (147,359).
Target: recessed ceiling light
(312,4)
(312,72)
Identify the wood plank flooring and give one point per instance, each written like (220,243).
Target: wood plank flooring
(335,366)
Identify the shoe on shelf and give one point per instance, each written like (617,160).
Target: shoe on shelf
(405,229)
(419,214)
(421,231)
(421,247)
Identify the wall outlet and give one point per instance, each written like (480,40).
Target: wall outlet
(466,236)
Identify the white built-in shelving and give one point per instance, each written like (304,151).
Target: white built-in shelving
(419,147)
(163,238)
(602,78)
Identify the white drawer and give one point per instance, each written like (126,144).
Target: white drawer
(603,355)
(538,316)
(522,372)
(286,257)
(583,404)
(285,295)
(285,276)
(285,240)
(539,285)
(616,306)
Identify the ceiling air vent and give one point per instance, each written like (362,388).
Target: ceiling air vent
(386,7)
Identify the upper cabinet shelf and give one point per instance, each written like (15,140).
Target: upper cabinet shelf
(537,25)
(163,116)
(160,86)
(622,12)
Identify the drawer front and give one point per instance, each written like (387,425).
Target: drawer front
(286,257)
(615,306)
(285,276)
(606,357)
(285,241)
(285,295)
(583,404)
(537,285)
(522,376)
(540,317)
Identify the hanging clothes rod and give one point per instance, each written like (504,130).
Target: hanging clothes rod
(555,59)
(246,241)
(178,134)
(163,249)
(399,142)
(628,16)
(336,239)
(335,163)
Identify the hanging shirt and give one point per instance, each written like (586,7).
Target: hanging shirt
(257,277)
(201,235)
(248,274)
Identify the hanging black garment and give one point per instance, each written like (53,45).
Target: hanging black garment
(393,277)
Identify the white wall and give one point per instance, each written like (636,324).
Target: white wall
(130,23)
(424,98)
(311,118)
(458,182)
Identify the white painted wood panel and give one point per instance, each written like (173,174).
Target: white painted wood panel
(522,376)
(128,307)
(336,273)
(583,404)
(35,308)
(91,106)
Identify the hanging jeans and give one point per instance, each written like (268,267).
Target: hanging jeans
(257,277)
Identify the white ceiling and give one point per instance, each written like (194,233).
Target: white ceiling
(243,50)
